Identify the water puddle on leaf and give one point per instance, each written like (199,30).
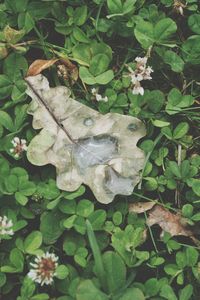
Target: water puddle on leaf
(94,151)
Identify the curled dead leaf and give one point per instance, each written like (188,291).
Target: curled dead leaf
(39,65)
(174,224)
(65,68)
(140,207)
(169,222)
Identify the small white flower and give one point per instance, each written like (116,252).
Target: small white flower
(6,226)
(142,72)
(147,73)
(15,141)
(141,60)
(140,77)
(147,77)
(98,97)
(138,90)
(105,99)
(149,69)
(44,268)
(19,146)
(93,91)
(180,10)
(133,78)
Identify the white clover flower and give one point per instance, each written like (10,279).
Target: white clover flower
(105,99)
(6,226)
(138,90)
(44,268)
(142,72)
(19,145)
(141,60)
(15,141)
(140,77)
(149,69)
(93,91)
(133,78)
(147,74)
(98,96)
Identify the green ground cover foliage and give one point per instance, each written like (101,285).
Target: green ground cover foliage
(100,251)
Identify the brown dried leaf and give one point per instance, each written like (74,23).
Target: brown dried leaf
(67,63)
(174,224)
(39,65)
(140,207)
(70,69)
(66,68)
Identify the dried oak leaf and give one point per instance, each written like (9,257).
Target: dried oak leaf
(84,145)
(174,224)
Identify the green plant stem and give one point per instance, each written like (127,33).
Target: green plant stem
(148,156)
(151,234)
(97,255)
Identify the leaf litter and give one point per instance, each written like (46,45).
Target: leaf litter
(173,223)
